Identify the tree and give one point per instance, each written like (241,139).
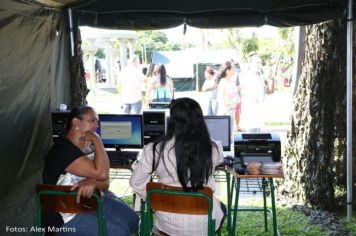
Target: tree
(153,40)
(314,154)
(250,45)
(100,53)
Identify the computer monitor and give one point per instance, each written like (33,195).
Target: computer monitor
(220,130)
(121,131)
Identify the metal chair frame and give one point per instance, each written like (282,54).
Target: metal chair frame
(60,198)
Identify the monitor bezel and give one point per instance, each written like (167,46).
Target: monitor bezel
(225,148)
(123,146)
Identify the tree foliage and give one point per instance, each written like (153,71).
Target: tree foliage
(100,53)
(250,45)
(153,40)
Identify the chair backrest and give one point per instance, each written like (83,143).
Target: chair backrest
(61,198)
(161,197)
(173,199)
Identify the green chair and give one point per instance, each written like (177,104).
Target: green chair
(60,198)
(165,198)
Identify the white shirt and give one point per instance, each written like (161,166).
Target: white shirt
(252,100)
(171,223)
(131,85)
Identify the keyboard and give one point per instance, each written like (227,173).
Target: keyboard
(122,158)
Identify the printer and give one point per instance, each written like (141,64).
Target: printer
(257,147)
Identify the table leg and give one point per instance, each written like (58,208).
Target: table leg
(264,183)
(236,206)
(229,200)
(275,229)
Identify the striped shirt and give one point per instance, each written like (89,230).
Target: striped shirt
(171,223)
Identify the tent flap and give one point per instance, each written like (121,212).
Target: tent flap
(206,14)
(30,36)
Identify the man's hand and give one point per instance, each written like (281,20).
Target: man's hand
(85,188)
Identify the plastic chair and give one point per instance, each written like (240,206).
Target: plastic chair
(60,198)
(165,198)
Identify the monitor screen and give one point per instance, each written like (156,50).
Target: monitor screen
(219,130)
(121,131)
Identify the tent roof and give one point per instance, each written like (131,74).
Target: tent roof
(160,14)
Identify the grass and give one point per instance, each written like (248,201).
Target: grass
(290,222)
(277,123)
(351,226)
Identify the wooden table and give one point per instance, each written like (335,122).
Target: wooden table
(230,194)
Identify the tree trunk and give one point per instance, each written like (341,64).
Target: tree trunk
(314,154)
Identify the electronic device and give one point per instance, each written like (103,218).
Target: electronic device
(121,131)
(220,130)
(154,125)
(122,158)
(59,119)
(159,105)
(257,147)
(229,161)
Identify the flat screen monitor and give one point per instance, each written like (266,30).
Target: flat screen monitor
(220,130)
(121,131)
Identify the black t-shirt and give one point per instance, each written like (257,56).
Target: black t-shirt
(59,157)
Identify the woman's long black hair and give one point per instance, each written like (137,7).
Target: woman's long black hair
(193,146)
(161,69)
(224,68)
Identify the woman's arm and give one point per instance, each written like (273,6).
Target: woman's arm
(98,168)
(149,90)
(171,87)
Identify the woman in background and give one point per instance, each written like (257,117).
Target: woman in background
(227,90)
(161,88)
(210,86)
(185,156)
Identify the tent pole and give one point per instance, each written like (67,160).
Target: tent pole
(349,109)
(70,16)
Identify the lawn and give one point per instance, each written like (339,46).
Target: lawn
(290,222)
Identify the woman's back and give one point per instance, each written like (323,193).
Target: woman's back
(185,156)
(161,92)
(166,172)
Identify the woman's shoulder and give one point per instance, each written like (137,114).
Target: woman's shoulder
(64,147)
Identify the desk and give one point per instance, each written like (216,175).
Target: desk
(237,177)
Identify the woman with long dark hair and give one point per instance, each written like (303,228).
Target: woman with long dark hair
(185,156)
(161,88)
(227,90)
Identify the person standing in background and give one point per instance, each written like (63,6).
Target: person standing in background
(253,94)
(131,86)
(238,105)
(227,90)
(210,87)
(161,88)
